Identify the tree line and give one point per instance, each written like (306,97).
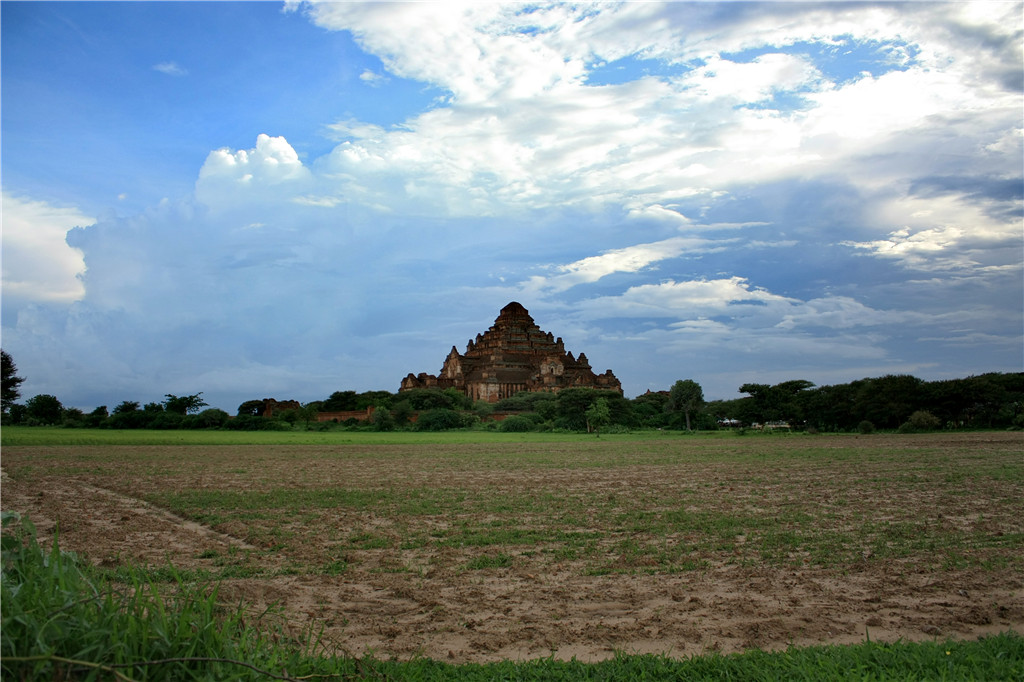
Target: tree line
(892,402)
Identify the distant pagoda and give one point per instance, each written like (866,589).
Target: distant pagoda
(513,355)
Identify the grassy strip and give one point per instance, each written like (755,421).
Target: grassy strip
(61,620)
(59,436)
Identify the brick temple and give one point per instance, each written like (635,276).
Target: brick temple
(513,355)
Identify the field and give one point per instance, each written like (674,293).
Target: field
(480,547)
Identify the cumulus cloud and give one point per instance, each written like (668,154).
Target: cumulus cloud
(269,172)
(38,263)
(522,130)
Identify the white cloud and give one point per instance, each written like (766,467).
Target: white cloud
(170,68)
(38,264)
(372,78)
(271,171)
(626,260)
(752,81)
(523,131)
(941,233)
(732,296)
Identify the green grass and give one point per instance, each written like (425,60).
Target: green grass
(65,620)
(59,436)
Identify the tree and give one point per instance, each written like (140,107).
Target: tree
(403,412)
(342,401)
(309,411)
(126,406)
(781,402)
(251,408)
(184,404)
(45,409)
(382,419)
(598,415)
(11,382)
(686,396)
(97,416)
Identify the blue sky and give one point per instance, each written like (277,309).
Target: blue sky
(263,200)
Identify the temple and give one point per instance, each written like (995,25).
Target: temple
(513,355)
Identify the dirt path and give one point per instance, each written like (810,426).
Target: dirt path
(112,525)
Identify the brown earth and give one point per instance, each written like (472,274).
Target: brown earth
(909,537)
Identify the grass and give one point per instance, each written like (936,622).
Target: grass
(63,437)
(65,620)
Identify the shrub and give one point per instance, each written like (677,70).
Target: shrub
(250,423)
(922,420)
(516,424)
(211,419)
(439,419)
(72,418)
(166,420)
(382,420)
(866,427)
(136,419)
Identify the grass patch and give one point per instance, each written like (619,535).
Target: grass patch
(63,437)
(500,560)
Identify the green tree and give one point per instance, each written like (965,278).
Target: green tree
(598,415)
(97,416)
(921,420)
(251,408)
(686,396)
(309,411)
(126,406)
(44,408)
(342,401)
(889,401)
(403,412)
(382,420)
(439,419)
(10,382)
(651,409)
(210,419)
(781,402)
(183,404)
(573,403)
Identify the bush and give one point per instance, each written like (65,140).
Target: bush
(250,423)
(922,420)
(866,427)
(516,424)
(136,419)
(382,420)
(439,419)
(166,420)
(211,419)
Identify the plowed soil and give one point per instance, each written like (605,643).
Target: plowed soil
(481,552)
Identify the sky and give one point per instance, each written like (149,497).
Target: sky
(256,200)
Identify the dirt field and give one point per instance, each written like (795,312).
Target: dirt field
(484,552)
